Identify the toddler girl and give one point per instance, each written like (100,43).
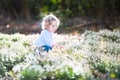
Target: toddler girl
(50,24)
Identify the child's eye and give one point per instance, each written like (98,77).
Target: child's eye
(54,25)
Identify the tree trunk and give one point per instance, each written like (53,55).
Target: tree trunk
(25,12)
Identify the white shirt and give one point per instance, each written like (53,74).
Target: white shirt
(45,38)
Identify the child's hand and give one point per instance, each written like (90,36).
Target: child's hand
(58,46)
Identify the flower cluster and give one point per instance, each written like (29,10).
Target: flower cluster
(80,55)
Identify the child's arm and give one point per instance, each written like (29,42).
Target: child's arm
(55,45)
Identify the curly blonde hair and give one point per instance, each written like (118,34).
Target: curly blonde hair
(47,20)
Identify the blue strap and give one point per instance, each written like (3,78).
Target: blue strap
(47,48)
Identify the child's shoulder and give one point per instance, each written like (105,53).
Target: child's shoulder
(44,31)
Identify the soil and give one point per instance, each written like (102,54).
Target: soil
(74,26)
(20,26)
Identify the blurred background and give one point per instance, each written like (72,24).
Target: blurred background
(25,16)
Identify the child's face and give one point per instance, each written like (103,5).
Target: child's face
(53,26)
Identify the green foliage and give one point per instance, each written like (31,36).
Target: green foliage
(78,7)
(105,48)
(2,69)
(67,73)
(104,41)
(93,8)
(13,49)
(26,44)
(80,55)
(10,63)
(29,74)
